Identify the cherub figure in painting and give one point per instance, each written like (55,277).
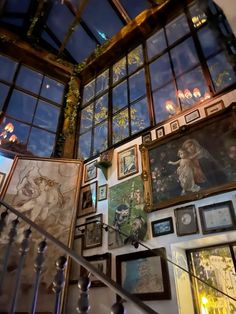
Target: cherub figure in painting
(185,172)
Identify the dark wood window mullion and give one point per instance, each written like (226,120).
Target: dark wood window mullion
(110,109)
(128,97)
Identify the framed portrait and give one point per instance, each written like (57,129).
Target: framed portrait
(90,171)
(2,178)
(127,162)
(102,192)
(174,126)
(103,263)
(144,274)
(192,163)
(160,132)
(213,108)
(217,217)
(146,138)
(162,227)
(46,191)
(88,200)
(192,116)
(186,220)
(93,232)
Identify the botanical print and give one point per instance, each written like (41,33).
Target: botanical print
(46,192)
(125,213)
(204,158)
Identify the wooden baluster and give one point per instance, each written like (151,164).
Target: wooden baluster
(2,220)
(24,249)
(59,281)
(83,303)
(38,266)
(118,308)
(12,234)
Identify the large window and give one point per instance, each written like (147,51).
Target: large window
(31,103)
(182,64)
(215,266)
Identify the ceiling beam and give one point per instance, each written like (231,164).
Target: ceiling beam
(118,7)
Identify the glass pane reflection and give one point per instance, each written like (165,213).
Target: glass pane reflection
(52,90)
(119,96)
(8,68)
(209,40)
(100,138)
(46,116)
(29,79)
(160,71)
(88,92)
(137,85)
(3,94)
(84,145)
(156,44)
(101,109)
(135,59)
(102,82)
(41,143)
(119,70)
(139,116)
(86,118)
(177,28)
(120,126)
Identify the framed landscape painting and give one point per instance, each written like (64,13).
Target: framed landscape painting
(192,163)
(46,191)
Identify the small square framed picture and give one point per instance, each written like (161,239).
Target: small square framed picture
(88,200)
(102,192)
(160,132)
(90,171)
(93,232)
(217,217)
(146,138)
(127,162)
(186,220)
(162,227)
(213,108)
(174,126)
(192,116)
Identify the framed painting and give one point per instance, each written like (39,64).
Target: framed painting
(102,192)
(88,200)
(93,232)
(186,220)
(103,263)
(144,274)
(127,162)
(90,171)
(126,213)
(46,191)
(146,138)
(213,108)
(2,178)
(217,217)
(192,116)
(192,163)
(162,227)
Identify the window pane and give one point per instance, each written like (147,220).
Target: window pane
(3,94)
(52,90)
(100,138)
(119,96)
(21,106)
(160,71)
(198,16)
(137,85)
(209,41)
(177,29)
(21,130)
(46,116)
(101,108)
(120,125)
(192,88)
(135,59)
(139,116)
(8,68)
(215,266)
(222,72)
(88,92)
(41,143)
(84,145)
(184,56)
(29,79)
(86,118)
(165,103)
(119,70)
(102,82)
(156,44)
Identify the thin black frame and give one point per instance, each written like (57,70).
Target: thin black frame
(186,218)
(190,114)
(156,222)
(93,222)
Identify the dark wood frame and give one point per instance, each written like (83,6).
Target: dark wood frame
(83,211)
(192,114)
(219,105)
(98,258)
(2,178)
(119,156)
(86,177)
(94,223)
(162,128)
(183,227)
(158,253)
(99,193)
(156,222)
(213,207)
(151,197)
(146,138)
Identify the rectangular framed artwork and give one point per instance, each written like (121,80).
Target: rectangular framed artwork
(93,232)
(102,192)
(162,227)
(186,220)
(144,274)
(217,217)
(88,200)
(192,163)
(90,171)
(127,162)
(146,138)
(192,116)
(213,108)
(160,132)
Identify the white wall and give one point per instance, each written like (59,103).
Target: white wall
(5,166)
